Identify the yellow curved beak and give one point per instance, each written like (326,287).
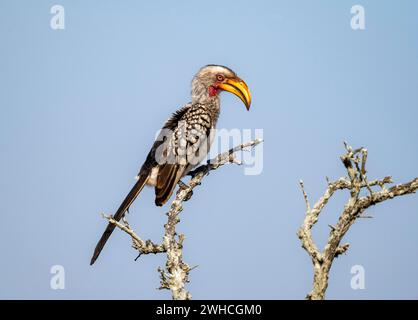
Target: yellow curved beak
(238,87)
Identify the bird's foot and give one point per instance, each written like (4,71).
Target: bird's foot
(205,169)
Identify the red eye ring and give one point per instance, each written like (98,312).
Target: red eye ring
(220,77)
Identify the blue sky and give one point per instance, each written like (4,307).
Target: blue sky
(79,109)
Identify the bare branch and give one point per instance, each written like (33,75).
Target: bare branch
(305,196)
(355,163)
(176,275)
(144,247)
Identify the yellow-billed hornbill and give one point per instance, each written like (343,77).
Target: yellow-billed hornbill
(184,140)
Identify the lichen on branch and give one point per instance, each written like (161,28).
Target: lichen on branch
(354,161)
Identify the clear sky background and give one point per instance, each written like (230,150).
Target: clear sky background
(79,109)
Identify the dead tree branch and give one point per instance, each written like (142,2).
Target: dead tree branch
(176,273)
(355,163)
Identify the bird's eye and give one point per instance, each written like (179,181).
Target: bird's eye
(220,77)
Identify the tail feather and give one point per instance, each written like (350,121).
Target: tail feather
(139,185)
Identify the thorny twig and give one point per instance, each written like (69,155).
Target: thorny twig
(355,163)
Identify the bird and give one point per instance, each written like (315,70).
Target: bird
(184,140)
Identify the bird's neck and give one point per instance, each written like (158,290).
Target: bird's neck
(201,94)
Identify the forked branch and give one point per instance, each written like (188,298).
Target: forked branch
(355,163)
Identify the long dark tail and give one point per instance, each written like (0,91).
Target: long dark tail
(119,214)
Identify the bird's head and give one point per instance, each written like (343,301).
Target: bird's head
(213,79)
